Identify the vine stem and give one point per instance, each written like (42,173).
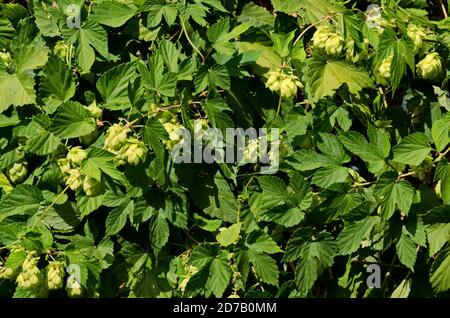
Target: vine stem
(444,11)
(51,205)
(278,110)
(190,42)
(442,155)
(407,174)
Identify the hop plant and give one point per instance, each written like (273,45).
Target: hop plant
(94,110)
(416,34)
(385,67)
(76,155)
(135,151)
(6,58)
(328,41)
(174,137)
(285,84)
(55,275)
(64,165)
(17,172)
(6,273)
(354,57)
(74,179)
(30,276)
(115,136)
(430,68)
(73,287)
(91,186)
(61,49)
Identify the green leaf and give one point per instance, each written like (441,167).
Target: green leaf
(43,143)
(326,177)
(90,36)
(256,15)
(265,267)
(159,233)
(323,77)
(357,144)
(413,149)
(17,90)
(443,173)
(157,11)
(260,242)
(112,13)
(72,120)
(349,240)
(406,250)
(113,86)
(212,77)
(219,276)
(24,199)
(229,235)
(30,57)
(440,132)
(315,256)
(57,85)
(46,18)
(393,195)
(440,275)
(117,218)
(99,160)
(156,79)
(403,289)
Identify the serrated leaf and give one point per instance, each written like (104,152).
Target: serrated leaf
(24,199)
(112,13)
(265,267)
(117,218)
(57,85)
(72,120)
(349,240)
(324,77)
(406,250)
(394,195)
(159,233)
(219,277)
(440,275)
(113,86)
(229,235)
(413,149)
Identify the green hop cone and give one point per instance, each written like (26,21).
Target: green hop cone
(273,81)
(116,135)
(430,68)
(74,180)
(30,276)
(61,49)
(6,273)
(286,85)
(385,67)
(94,110)
(91,187)
(6,57)
(416,34)
(334,44)
(55,275)
(64,165)
(73,287)
(328,41)
(135,152)
(17,172)
(174,137)
(76,155)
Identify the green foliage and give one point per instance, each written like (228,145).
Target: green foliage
(92,203)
